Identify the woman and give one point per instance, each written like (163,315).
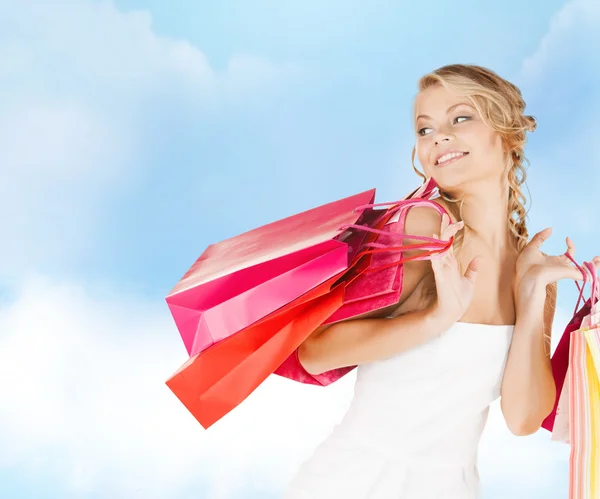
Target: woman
(470,326)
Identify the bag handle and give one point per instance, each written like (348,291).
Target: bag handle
(425,256)
(587,270)
(391,212)
(434,246)
(397,205)
(402,235)
(421,193)
(595,282)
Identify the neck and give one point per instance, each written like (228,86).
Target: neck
(485,212)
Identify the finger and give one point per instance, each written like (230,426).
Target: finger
(442,256)
(569,255)
(436,256)
(445,223)
(568,273)
(473,269)
(570,247)
(447,237)
(451,230)
(537,240)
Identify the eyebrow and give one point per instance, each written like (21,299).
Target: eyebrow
(447,111)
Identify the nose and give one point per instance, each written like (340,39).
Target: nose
(442,137)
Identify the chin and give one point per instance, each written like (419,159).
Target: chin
(448,180)
(452,176)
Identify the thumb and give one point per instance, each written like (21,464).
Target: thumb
(473,268)
(539,239)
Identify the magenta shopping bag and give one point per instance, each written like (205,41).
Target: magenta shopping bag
(380,285)
(240,280)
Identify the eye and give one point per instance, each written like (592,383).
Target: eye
(422,131)
(461,117)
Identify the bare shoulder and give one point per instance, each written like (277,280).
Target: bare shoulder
(424,220)
(421,221)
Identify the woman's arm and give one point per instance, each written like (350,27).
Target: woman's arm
(361,341)
(528,389)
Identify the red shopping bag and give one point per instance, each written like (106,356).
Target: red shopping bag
(218,379)
(236,282)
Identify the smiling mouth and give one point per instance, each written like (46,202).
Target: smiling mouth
(446,159)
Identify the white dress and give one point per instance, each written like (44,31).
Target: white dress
(413,428)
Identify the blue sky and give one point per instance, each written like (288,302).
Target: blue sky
(135,133)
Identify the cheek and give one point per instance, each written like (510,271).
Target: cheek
(489,142)
(423,152)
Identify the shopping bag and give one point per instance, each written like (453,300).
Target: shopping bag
(380,284)
(240,280)
(561,427)
(584,415)
(215,381)
(584,402)
(577,415)
(557,421)
(560,363)
(592,337)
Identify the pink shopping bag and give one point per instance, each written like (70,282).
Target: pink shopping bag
(238,281)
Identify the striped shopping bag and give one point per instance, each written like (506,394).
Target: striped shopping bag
(584,414)
(584,403)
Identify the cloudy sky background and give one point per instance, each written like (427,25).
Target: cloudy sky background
(134,133)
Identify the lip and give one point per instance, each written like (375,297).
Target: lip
(464,153)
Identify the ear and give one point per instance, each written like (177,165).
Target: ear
(509,161)
(509,156)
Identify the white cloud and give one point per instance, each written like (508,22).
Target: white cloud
(572,37)
(83,379)
(79,80)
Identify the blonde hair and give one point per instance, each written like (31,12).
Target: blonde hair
(501,106)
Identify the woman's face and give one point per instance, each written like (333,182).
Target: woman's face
(453,144)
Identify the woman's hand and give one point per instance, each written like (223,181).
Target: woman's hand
(454,290)
(535,270)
